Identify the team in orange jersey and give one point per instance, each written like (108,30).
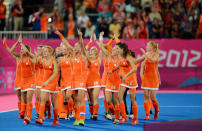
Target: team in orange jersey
(75,71)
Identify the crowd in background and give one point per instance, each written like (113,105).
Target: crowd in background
(134,19)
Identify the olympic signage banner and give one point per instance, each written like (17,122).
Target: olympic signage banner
(180,63)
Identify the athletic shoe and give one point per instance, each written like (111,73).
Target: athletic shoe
(147,118)
(76,122)
(116,121)
(131,116)
(21,116)
(108,116)
(134,122)
(123,120)
(55,123)
(39,121)
(94,117)
(81,122)
(37,115)
(27,120)
(71,114)
(67,117)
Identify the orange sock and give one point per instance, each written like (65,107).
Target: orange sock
(106,106)
(117,112)
(23,108)
(77,113)
(48,106)
(82,111)
(37,106)
(19,106)
(71,105)
(55,113)
(91,109)
(151,104)
(156,106)
(135,110)
(123,110)
(29,110)
(41,111)
(95,109)
(146,108)
(111,108)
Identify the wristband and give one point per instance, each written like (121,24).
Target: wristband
(89,44)
(5,45)
(61,36)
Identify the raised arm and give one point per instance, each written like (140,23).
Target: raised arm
(103,49)
(65,42)
(55,73)
(152,59)
(130,59)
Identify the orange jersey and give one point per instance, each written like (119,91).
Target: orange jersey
(18,76)
(131,81)
(150,77)
(93,79)
(66,73)
(79,74)
(39,74)
(104,75)
(27,74)
(113,80)
(48,72)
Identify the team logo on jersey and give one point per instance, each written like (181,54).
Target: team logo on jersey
(49,66)
(27,63)
(67,62)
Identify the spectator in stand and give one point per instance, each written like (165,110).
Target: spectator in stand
(186,28)
(114,27)
(156,6)
(44,20)
(142,31)
(71,27)
(120,3)
(130,8)
(82,21)
(89,30)
(129,31)
(103,26)
(145,17)
(105,14)
(193,12)
(34,19)
(2,15)
(189,3)
(102,4)
(199,30)
(156,29)
(175,33)
(146,4)
(69,11)
(18,12)
(58,23)
(155,14)
(91,6)
(118,14)
(70,8)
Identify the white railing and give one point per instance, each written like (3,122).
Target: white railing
(25,34)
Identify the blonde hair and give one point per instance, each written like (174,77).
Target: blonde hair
(155,46)
(50,49)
